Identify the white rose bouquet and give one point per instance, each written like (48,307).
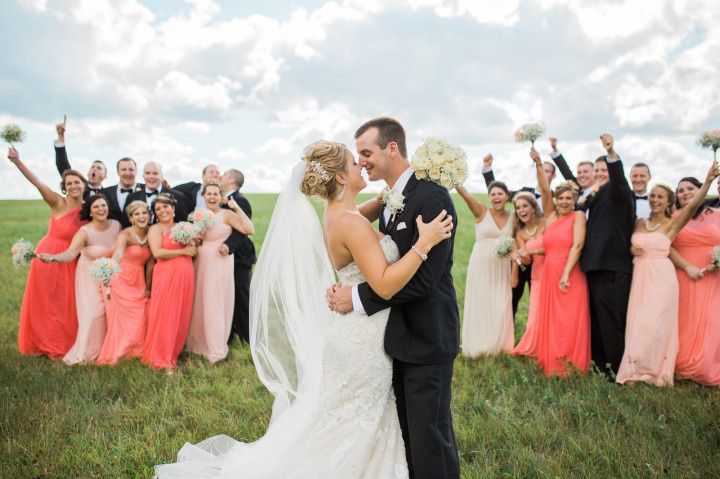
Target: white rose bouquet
(104,270)
(530,132)
(441,162)
(22,252)
(202,218)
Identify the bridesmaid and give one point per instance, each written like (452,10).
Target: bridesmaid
(698,356)
(651,336)
(94,240)
(172,290)
(488,318)
(126,310)
(563,310)
(48,318)
(530,226)
(214,276)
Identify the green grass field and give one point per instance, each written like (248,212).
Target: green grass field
(511,421)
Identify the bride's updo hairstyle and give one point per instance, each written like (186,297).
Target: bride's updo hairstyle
(323,159)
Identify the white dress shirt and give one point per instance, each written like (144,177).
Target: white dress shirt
(122,196)
(399,185)
(642,206)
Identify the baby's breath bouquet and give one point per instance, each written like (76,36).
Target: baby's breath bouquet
(441,162)
(530,132)
(715,259)
(503,246)
(183,232)
(710,139)
(22,252)
(202,218)
(104,270)
(12,134)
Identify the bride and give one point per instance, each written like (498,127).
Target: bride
(334,413)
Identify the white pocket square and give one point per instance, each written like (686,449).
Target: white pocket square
(401,226)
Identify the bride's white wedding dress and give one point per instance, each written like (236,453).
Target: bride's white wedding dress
(349,429)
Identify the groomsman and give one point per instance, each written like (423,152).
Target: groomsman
(243,250)
(97,172)
(584,171)
(639,177)
(117,194)
(153,178)
(193,190)
(606,258)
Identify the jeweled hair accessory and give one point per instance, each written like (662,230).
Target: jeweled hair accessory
(320,170)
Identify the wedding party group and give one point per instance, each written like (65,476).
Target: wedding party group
(620,275)
(355,330)
(156,299)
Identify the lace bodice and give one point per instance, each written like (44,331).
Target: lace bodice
(351,275)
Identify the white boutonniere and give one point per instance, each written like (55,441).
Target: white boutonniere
(394,201)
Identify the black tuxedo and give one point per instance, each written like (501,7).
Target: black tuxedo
(62,163)
(422,335)
(607,262)
(181,208)
(712,203)
(190,190)
(115,212)
(523,275)
(243,251)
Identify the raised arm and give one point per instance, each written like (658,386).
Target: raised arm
(155,242)
(77,243)
(54,200)
(619,187)
(387,280)
(478,209)
(686,213)
(560,162)
(546,194)
(240,222)
(487,170)
(61,158)
(575,249)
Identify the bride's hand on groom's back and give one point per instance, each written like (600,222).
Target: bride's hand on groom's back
(435,231)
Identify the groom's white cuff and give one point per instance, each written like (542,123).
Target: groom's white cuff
(357,304)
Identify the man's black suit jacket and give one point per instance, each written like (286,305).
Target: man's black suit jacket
(424,323)
(610,225)
(181,208)
(62,163)
(240,245)
(116,213)
(190,190)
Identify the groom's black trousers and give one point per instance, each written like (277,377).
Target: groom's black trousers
(422,392)
(609,294)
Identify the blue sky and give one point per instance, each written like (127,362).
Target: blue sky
(248,84)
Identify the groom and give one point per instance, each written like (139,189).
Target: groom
(422,333)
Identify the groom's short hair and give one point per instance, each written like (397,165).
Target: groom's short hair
(389,130)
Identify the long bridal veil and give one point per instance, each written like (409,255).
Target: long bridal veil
(289,319)
(288,311)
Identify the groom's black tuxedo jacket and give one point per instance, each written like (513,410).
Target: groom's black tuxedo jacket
(423,327)
(610,225)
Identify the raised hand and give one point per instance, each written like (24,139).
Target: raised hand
(438,229)
(232,203)
(553,143)
(488,160)
(608,143)
(60,128)
(535,156)
(13,154)
(713,172)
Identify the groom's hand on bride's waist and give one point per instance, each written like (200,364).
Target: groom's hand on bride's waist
(339,298)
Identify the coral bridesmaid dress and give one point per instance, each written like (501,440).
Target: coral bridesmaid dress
(563,317)
(126,310)
(214,295)
(89,294)
(698,358)
(171,301)
(529,343)
(487,326)
(651,335)
(48,317)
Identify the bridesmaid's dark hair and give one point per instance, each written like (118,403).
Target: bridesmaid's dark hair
(67,173)
(85,213)
(695,182)
(498,184)
(165,199)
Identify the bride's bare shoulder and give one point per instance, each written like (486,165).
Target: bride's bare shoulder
(343,223)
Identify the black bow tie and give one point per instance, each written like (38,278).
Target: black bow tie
(94,190)
(151,193)
(641,197)
(125,190)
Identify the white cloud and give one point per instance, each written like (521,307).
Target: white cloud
(179,89)
(499,12)
(36,5)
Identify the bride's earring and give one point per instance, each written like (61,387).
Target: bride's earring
(342,194)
